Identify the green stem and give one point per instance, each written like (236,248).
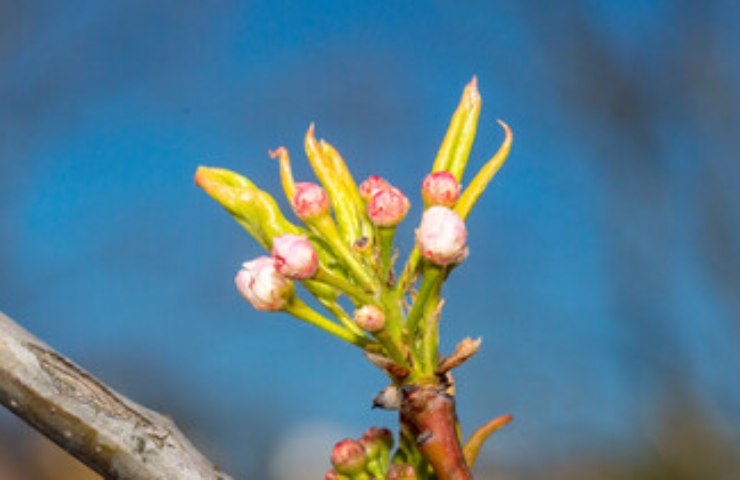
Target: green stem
(404,283)
(432,277)
(393,346)
(430,332)
(342,316)
(357,295)
(393,323)
(299,309)
(385,235)
(325,226)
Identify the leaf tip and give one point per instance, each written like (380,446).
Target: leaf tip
(507,131)
(278,153)
(471,93)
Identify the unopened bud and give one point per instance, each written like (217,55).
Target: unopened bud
(371,186)
(401,472)
(440,188)
(310,200)
(263,286)
(388,207)
(376,439)
(295,256)
(370,318)
(349,457)
(442,236)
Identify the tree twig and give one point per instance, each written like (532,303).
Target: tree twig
(110,433)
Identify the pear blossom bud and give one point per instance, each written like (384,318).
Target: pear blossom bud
(388,207)
(376,439)
(440,188)
(371,186)
(310,200)
(295,256)
(401,472)
(349,457)
(370,318)
(263,286)
(442,236)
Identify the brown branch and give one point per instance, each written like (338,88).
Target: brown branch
(111,434)
(428,414)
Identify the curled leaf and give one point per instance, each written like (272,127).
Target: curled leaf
(478,438)
(286,172)
(484,175)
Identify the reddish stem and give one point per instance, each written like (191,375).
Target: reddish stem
(428,413)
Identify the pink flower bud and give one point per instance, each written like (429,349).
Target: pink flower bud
(370,318)
(263,286)
(440,188)
(388,207)
(375,439)
(310,200)
(401,472)
(442,236)
(295,256)
(349,457)
(371,186)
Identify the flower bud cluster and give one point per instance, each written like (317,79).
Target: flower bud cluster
(372,185)
(363,458)
(442,235)
(263,286)
(354,229)
(387,206)
(266,282)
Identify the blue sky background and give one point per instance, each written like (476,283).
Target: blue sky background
(604,273)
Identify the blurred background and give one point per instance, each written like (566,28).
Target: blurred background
(604,273)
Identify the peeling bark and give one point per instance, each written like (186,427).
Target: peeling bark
(110,433)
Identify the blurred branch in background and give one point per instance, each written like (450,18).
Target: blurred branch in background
(113,435)
(670,213)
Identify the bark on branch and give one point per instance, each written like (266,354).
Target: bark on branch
(113,435)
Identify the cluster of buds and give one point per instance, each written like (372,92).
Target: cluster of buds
(266,282)
(363,459)
(345,247)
